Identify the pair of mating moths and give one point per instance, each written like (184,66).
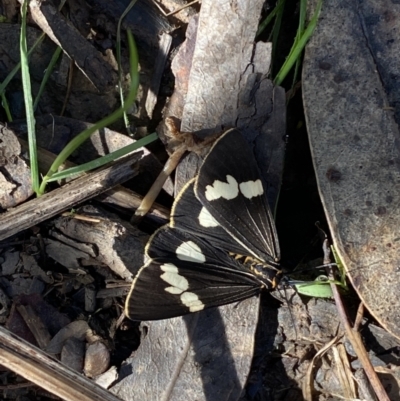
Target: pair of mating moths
(220,246)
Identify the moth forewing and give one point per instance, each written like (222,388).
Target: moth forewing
(188,214)
(230,187)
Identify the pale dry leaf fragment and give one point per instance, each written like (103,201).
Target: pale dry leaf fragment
(307,386)
(107,378)
(97,359)
(77,329)
(343,371)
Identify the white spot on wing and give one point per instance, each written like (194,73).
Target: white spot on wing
(173,290)
(192,301)
(206,220)
(179,286)
(190,252)
(250,189)
(227,190)
(178,283)
(169,268)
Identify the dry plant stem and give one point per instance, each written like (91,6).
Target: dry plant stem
(365,390)
(130,200)
(357,343)
(118,195)
(187,142)
(80,217)
(355,337)
(177,10)
(359,317)
(90,185)
(34,365)
(344,373)
(307,385)
(155,189)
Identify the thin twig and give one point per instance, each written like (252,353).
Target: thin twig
(155,189)
(50,204)
(34,365)
(182,142)
(117,196)
(354,336)
(359,317)
(177,10)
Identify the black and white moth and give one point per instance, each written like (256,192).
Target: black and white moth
(220,246)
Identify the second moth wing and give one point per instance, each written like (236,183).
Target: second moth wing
(186,274)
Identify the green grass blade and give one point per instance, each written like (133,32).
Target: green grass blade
(46,77)
(30,118)
(298,46)
(68,173)
(15,70)
(302,19)
(84,135)
(4,103)
(121,91)
(299,33)
(277,26)
(339,264)
(268,19)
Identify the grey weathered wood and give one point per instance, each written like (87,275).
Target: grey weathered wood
(89,60)
(118,196)
(194,357)
(257,108)
(35,324)
(15,175)
(53,134)
(71,194)
(354,140)
(34,365)
(221,64)
(116,243)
